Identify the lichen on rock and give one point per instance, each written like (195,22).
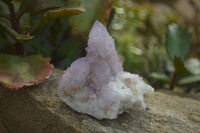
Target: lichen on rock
(97,85)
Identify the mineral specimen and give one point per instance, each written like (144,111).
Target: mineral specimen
(97,85)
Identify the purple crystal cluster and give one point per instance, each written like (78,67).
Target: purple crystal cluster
(97,85)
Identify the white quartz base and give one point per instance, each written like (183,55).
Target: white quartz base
(124,92)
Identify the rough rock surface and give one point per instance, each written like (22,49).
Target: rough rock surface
(39,110)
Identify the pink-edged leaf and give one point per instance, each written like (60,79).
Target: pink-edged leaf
(17,72)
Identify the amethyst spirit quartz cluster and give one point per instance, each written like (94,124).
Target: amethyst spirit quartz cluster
(97,84)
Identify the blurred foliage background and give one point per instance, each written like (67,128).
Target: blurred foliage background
(139,28)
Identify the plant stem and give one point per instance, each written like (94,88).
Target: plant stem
(19,48)
(173,82)
(15,25)
(13,16)
(55,51)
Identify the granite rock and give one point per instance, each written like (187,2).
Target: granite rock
(39,110)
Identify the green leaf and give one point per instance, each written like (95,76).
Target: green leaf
(17,72)
(95,10)
(6,26)
(18,37)
(178,41)
(37,6)
(4,11)
(44,11)
(40,20)
(179,65)
(160,77)
(190,79)
(41,13)
(7,2)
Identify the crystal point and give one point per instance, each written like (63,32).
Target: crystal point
(97,85)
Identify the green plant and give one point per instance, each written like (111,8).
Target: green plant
(178,41)
(140,36)
(32,27)
(23,19)
(20,21)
